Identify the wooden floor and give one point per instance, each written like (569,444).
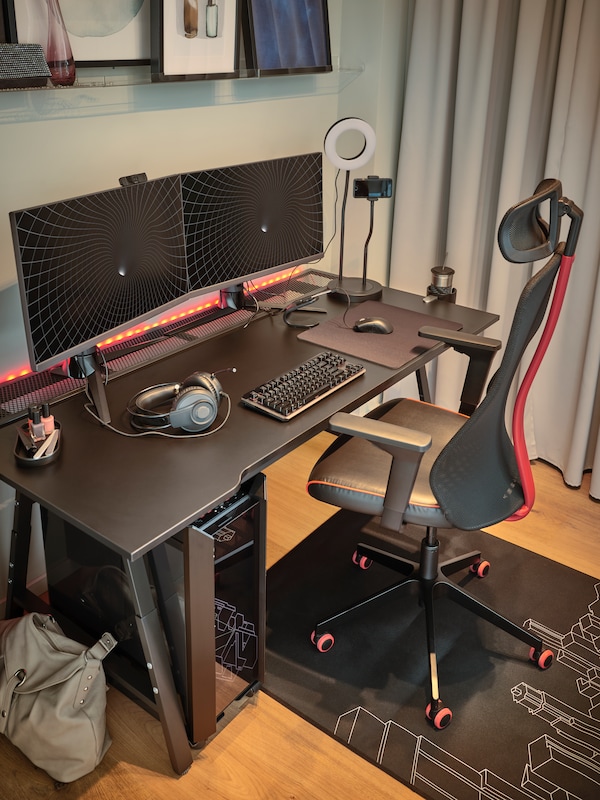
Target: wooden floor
(267,751)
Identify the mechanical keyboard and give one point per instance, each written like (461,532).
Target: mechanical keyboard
(289,394)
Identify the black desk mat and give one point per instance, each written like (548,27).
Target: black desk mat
(518,733)
(389,350)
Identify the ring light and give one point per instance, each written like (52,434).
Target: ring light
(355,125)
(351,289)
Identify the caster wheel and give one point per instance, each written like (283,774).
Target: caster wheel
(480,568)
(323,642)
(440,718)
(543,658)
(361,561)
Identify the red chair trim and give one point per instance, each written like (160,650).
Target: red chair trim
(518,427)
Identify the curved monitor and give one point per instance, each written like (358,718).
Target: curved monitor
(242,221)
(94,266)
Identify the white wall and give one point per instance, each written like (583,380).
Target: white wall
(158,130)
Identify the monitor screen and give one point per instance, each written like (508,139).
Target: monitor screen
(94,266)
(242,221)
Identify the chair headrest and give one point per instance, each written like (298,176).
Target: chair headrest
(524,235)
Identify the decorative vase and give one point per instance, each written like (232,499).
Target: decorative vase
(59,55)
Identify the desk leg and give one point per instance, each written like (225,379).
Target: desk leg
(159,668)
(423,385)
(172,619)
(19,556)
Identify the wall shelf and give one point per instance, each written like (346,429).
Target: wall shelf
(125,90)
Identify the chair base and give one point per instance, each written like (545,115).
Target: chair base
(432,577)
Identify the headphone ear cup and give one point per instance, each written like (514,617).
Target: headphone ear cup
(194,409)
(142,407)
(216,387)
(206,381)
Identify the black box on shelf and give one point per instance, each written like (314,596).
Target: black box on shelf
(22,66)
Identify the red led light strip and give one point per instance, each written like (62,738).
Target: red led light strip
(21,372)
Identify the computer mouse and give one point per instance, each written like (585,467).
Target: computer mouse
(373,325)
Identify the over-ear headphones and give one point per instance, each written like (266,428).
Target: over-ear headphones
(193,404)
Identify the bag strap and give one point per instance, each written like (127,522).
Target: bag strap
(5,701)
(93,668)
(105,645)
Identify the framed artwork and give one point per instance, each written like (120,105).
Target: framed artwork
(289,35)
(193,39)
(101,32)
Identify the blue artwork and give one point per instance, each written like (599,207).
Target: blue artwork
(290,34)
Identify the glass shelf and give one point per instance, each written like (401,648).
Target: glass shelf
(123,90)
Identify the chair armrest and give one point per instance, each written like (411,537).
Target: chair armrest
(459,340)
(390,437)
(480,351)
(406,446)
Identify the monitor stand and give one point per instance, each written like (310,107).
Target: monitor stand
(87,366)
(232,297)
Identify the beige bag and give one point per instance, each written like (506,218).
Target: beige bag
(53,696)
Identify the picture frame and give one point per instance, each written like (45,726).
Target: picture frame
(194,39)
(110,33)
(289,36)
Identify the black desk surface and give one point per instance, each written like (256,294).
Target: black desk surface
(132,494)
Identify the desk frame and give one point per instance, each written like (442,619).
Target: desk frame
(149,626)
(96,465)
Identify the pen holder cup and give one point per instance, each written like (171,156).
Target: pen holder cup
(26,458)
(441,284)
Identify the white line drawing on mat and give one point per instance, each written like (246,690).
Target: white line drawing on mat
(556,764)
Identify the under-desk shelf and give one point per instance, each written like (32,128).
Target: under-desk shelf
(121,90)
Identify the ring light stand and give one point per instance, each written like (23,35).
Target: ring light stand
(351,289)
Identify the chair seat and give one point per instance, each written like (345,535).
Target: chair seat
(353,473)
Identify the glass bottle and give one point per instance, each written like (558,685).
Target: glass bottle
(212,19)
(59,55)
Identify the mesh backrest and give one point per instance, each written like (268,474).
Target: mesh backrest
(475,478)
(523,235)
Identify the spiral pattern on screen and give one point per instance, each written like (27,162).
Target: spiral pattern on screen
(98,262)
(244,220)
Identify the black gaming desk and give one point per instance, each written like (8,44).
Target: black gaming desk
(133,495)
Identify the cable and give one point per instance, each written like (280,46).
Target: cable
(368,239)
(299,305)
(257,308)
